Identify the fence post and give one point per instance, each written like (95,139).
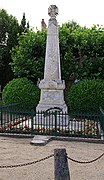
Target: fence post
(1,118)
(55,114)
(61,170)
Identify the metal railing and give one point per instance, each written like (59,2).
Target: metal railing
(23,119)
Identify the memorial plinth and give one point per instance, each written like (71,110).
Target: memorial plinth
(52,86)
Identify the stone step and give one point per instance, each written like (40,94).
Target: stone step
(40,140)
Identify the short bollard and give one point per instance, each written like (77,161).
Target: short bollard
(61,170)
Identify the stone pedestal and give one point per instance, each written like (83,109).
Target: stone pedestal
(52,86)
(51,95)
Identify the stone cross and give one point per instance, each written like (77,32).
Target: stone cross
(53,11)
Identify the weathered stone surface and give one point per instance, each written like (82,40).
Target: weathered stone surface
(52,58)
(61,169)
(53,11)
(40,140)
(52,86)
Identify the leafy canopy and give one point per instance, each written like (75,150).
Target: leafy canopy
(9,28)
(28,56)
(81,52)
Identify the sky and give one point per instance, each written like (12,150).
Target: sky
(84,12)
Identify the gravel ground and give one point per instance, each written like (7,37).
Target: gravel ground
(18,150)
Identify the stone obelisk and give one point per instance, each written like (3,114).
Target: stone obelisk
(52,86)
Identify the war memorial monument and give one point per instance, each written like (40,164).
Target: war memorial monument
(52,87)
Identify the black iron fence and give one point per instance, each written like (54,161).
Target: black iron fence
(23,119)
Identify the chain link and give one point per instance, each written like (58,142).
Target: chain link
(26,164)
(85,162)
(43,159)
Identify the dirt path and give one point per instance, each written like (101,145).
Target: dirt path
(18,150)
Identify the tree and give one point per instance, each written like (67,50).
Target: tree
(9,30)
(23,27)
(28,57)
(81,51)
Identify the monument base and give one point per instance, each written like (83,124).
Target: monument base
(52,96)
(51,120)
(52,107)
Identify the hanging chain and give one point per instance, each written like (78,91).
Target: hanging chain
(86,162)
(26,164)
(47,157)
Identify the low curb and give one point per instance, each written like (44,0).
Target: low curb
(60,138)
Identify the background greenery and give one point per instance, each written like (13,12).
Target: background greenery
(10,30)
(21,90)
(86,93)
(81,51)
(22,54)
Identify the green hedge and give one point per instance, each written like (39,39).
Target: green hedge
(86,93)
(21,90)
(1,103)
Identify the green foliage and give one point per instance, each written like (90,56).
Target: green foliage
(28,57)
(92,68)
(23,27)
(1,103)
(81,52)
(20,90)
(86,93)
(89,43)
(67,42)
(9,28)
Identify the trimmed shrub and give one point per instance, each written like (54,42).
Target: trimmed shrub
(21,90)
(1,103)
(86,93)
